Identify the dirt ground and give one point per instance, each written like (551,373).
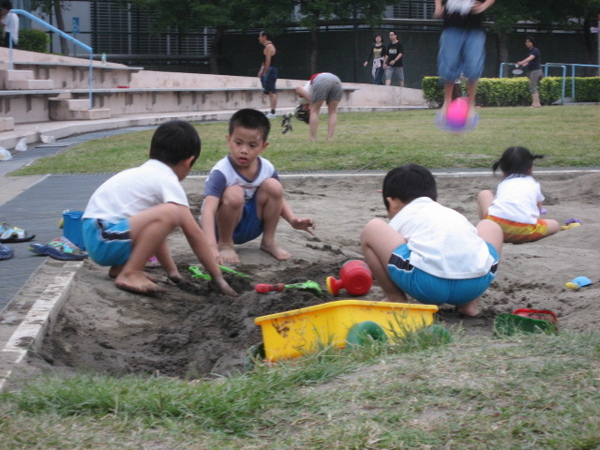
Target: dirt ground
(192,331)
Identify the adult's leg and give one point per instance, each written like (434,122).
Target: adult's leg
(273,101)
(313,122)
(332,120)
(378,241)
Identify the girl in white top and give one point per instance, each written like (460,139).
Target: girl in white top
(517,205)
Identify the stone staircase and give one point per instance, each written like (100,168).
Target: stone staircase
(65,107)
(22,80)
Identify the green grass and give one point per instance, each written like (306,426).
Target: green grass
(527,391)
(567,135)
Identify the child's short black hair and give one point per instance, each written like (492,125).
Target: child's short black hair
(409,182)
(515,160)
(251,119)
(532,40)
(175,141)
(6,5)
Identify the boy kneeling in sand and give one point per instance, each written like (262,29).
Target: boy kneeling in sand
(427,250)
(128,218)
(243,197)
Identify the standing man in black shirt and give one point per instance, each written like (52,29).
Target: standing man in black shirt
(392,62)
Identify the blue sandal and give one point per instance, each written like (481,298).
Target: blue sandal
(10,234)
(60,248)
(6,252)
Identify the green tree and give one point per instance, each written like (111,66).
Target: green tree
(55,7)
(314,13)
(220,15)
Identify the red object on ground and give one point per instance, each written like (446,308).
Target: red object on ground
(539,314)
(264,288)
(355,277)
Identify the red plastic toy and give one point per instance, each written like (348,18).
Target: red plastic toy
(355,277)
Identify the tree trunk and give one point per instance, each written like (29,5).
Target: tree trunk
(502,47)
(214,50)
(314,46)
(60,24)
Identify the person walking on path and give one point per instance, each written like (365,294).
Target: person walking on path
(377,55)
(392,62)
(268,72)
(533,63)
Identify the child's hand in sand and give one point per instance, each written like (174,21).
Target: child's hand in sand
(223,286)
(303,223)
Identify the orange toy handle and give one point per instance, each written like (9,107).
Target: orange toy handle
(264,288)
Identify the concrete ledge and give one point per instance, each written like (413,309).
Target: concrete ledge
(24,325)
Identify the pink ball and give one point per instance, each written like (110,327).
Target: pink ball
(456,117)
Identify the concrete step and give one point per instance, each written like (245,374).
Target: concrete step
(75,109)
(7,124)
(92,114)
(29,84)
(18,75)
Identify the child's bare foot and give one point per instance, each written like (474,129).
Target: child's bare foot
(229,254)
(138,283)
(470,309)
(275,251)
(148,276)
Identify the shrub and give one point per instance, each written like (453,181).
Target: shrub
(515,91)
(34,41)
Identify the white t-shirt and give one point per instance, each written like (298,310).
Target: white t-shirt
(462,7)
(517,198)
(224,174)
(11,25)
(134,190)
(442,241)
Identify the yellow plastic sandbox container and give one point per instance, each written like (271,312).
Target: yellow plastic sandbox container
(301,331)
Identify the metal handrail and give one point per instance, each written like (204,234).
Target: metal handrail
(564,73)
(61,34)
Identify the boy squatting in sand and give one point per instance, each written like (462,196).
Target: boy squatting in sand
(128,218)
(517,205)
(243,197)
(427,250)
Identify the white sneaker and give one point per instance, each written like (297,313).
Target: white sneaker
(271,115)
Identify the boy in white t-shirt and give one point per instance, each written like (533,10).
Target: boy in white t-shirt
(128,218)
(427,250)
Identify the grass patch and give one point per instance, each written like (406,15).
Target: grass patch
(527,391)
(567,135)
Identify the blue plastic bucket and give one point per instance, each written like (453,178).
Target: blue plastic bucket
(72,227)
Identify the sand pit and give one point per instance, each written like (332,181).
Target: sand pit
(192,331)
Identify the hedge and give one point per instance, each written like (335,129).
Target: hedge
(34,41)
(515,91)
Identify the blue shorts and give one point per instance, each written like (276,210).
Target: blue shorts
(462,51)
(433,290)
(250,227)
(269,79)
(108,244)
